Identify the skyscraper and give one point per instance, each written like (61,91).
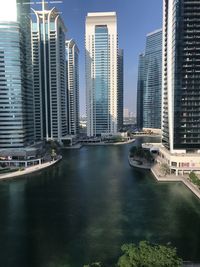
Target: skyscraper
(140,91)
(150,83)
(101,73)
(120,96)
(72,65)
(49,71)
(181,88)
(153,81)
(16,98)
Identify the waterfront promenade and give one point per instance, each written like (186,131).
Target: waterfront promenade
(108,144)
(29,170)
(155,169)
(173,178)
(97,143)
(165,178)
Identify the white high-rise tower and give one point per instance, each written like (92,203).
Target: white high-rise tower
(101,73)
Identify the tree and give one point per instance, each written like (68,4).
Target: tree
(53,154)
(53,145)
(164,167)
(148,255)
(194,179)
(148,156)
(140,152)
(133,150)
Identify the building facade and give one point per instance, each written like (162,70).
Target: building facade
(181,75)
(120,96)
(180,86)
(16,91)
(140,91)
(153,81)
(49,75)
(150,83)
(101,73)
(72,65)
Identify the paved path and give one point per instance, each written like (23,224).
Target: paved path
(173,178)
(109,144)
(29,170)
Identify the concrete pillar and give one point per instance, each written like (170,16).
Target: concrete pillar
(26,164)
(176,172)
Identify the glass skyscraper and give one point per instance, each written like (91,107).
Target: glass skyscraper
(101,73)
(140,91)
(150,83)
(72,65)
(181,76)
(16,92)
(49,72)
(120,96)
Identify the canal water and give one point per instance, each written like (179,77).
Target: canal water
(87,206)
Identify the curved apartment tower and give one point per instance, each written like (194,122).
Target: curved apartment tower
(150,83)
(153,81)
(49,73)
(101,73)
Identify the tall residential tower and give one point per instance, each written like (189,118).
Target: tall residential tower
(181,86)
(120,96)
(140,91)
(49,73)
(101,73)
(72,65)
(153,81)
(16,98)
(150,83)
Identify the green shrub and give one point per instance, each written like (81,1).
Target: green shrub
(194,179)
(148,255)
(145,255)
(138,151)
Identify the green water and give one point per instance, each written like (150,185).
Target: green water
(87,206)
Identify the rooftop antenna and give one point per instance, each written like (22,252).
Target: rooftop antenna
(43,5)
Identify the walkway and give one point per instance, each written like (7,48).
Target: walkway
(173,178)
(29,170)
(109,144)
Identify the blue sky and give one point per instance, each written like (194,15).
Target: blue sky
(136,18)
